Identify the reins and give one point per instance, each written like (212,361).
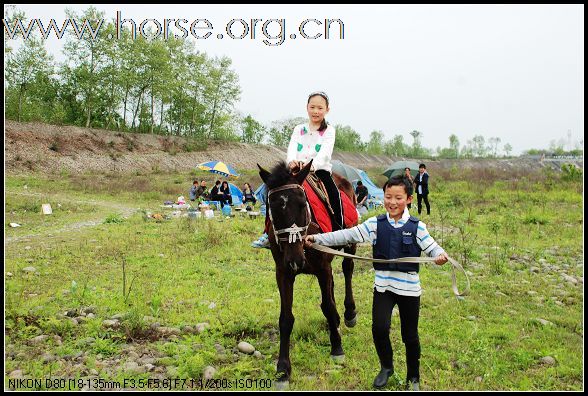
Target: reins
(454,264)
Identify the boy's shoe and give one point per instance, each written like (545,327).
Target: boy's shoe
(262,242)
(413,384)
(382,378)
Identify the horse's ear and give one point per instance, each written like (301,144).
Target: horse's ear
(263,174)
(301,176)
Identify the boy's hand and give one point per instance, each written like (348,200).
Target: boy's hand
(308,240)
(441,259)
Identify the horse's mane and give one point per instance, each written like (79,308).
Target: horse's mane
(279,175)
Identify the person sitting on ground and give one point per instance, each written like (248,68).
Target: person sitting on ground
(361,192)
(217,195)
(194,190)
(248,195)
(225,189)
(202,190)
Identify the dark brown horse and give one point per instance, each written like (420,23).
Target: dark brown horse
(290,221)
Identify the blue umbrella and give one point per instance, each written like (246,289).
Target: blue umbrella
(218,167)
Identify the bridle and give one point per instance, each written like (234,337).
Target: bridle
(294,232)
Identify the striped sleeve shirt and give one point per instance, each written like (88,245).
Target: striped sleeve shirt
(402,283)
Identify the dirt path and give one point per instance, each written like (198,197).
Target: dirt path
(125,210)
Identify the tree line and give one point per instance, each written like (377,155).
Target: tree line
(166,87)
(127,84)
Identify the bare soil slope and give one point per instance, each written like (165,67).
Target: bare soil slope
(45,148)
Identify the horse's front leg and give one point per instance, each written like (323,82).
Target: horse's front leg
(286,286)
(325,278)
(350,314)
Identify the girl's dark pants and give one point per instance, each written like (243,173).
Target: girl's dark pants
(334,198)
(408,308)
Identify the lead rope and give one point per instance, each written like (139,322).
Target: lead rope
(454,264)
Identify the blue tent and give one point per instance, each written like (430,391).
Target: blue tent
(261,193)
(373,190)
(236,194)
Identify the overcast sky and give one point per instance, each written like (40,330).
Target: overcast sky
(510,71)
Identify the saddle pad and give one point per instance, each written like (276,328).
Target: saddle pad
(350,216)
(321,214)
(318,209)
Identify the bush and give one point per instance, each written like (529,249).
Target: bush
(571,172)
(114,218)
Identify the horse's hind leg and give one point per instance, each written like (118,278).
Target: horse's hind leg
(350,314)
(325,278)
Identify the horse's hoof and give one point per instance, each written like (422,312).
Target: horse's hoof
(339,359)
(282,385)
(352,322)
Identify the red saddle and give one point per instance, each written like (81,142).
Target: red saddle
(320,211)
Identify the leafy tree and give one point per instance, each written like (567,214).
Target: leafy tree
(281,131)
(28,68)
(467,151)
(494,142)
(453,146)
(347,139)
(252,131)
(221,92)
(376,142)
(445,152)
(507,149)
(479,146)
(416,144)
(396,146)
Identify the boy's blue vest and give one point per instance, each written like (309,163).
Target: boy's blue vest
(394,243)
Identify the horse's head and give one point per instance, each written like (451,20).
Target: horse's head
(288,211)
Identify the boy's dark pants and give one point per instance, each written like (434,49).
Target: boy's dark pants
(408,307)
(420,197)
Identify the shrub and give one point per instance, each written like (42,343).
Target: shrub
(114,218)
(571,172)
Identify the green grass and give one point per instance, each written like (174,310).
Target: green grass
(175,269)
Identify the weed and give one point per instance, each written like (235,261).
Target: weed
(155,305)
(114,218)
(125,292)
(571,172)
(134,326)
(61,328)
(55,145)
(104,347)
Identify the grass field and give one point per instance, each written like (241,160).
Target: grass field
(184,292)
